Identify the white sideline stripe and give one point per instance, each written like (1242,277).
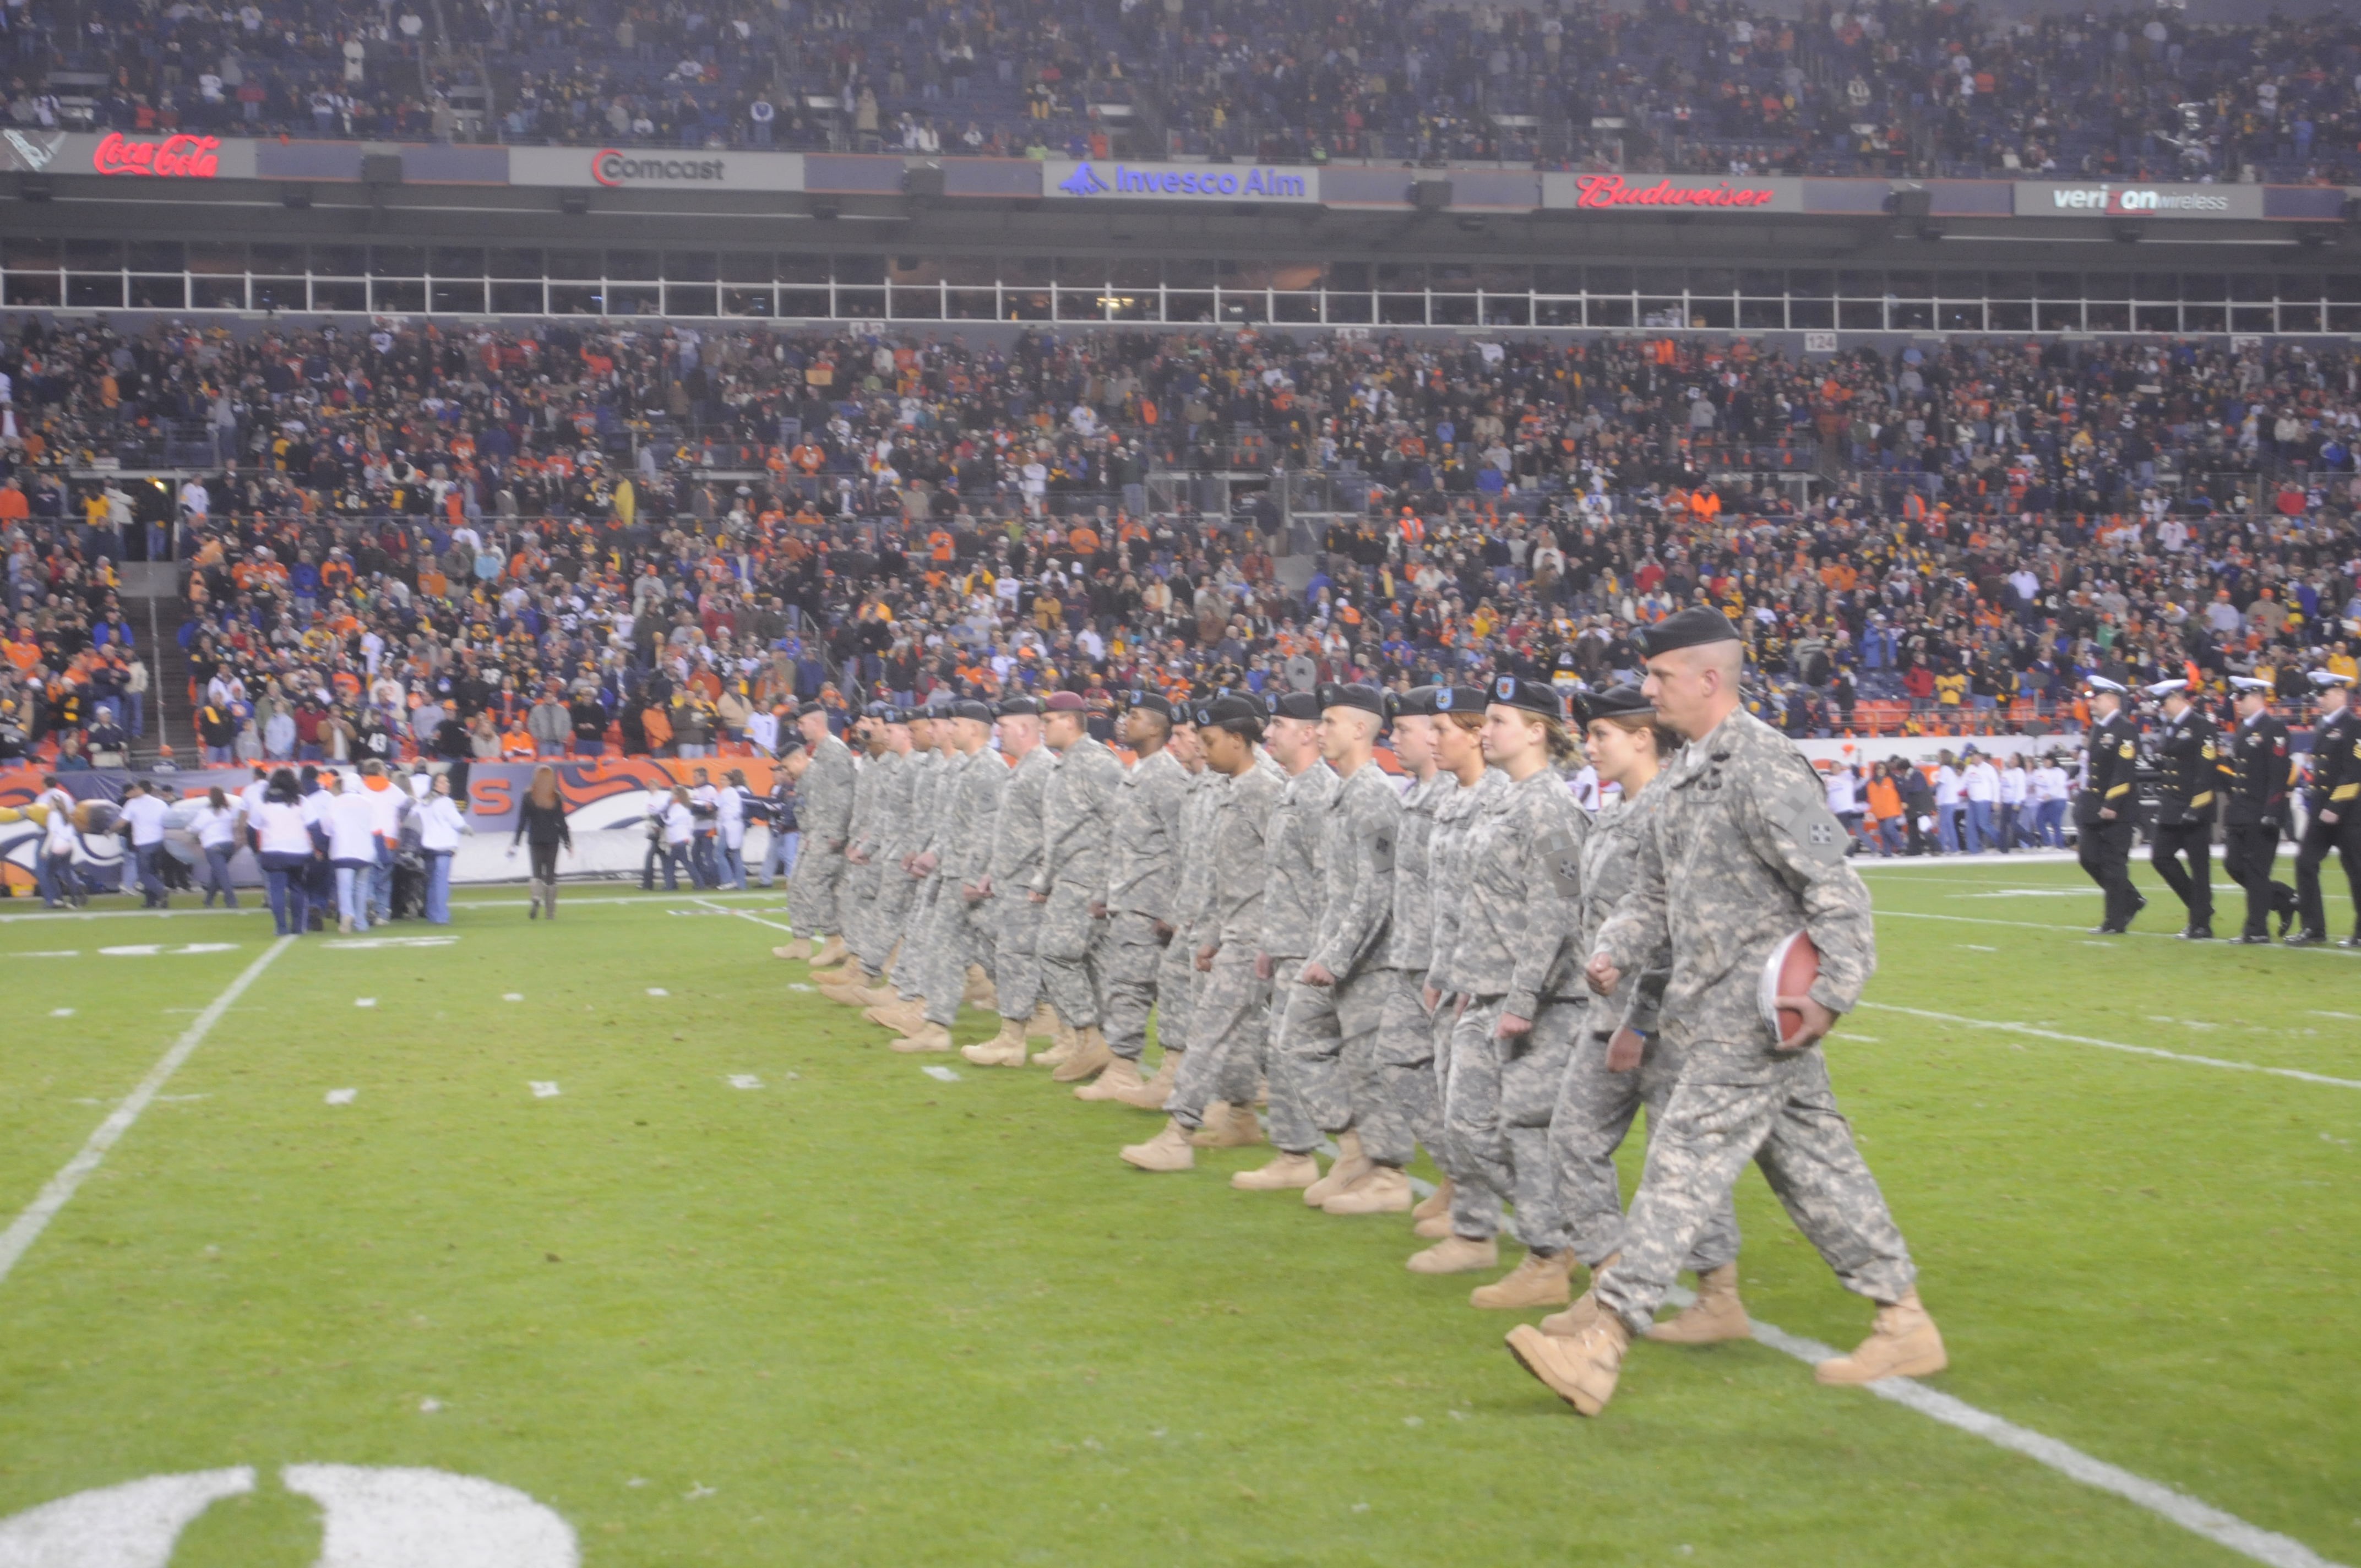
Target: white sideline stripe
(585,897)
(2296,1073)
(2202,1519)
(2329,949)
(26,1229)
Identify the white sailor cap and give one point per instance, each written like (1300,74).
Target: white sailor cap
(2161,689)
(2250,684)
(2325,678)
(2101,684)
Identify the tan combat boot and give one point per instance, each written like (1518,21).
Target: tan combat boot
(1152,1094)
(1905,1344)
(903,1016)
(1581,1370)
(1381,1189)
(1435,1202)
(842,974)
(831,953)
(1570,1323)
(1228,1128)
(1455,1255)
(1043,1025)
(1716,1315)
(847,994)
(1349,1167)
(1433,1228)
(1005,1050)
(1539,1281)
(1089,1055)
(980,991)
(1121,1076)
(799,949)
(878,993)
(1066,1042)
(1168,1150)
(928,1037)
(1285,1173)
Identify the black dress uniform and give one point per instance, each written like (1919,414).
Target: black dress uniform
(2254,809)
(2335,789)
(2189,775)
(2111,769)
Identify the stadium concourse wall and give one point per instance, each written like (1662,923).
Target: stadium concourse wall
(605,801)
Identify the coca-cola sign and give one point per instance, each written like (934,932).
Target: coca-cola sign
(1675,192)
(168,158)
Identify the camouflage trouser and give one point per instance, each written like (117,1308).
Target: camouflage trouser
(1227,1024)
(1475,1206)
(909,975)
(811,892)
(1497,1110)
(1073,956)
(1176,986)
(1133,961)
(1328,1049)
(1408,1108)
(1594,1112)
(952,945)
(1016,967)
(1302,1018)
(1782,1116)
(889,909)
(857,902)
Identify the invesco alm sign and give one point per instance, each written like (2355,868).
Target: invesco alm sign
(1171,182)
(2109,199)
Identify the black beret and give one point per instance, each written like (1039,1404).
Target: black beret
(1020,706)
(789,744)
(1530,695)
(1230,708)
(1693,628)
(1366,698)
(1416,703)
(810,708)
(1460,700)
(1155,702)
(1616,702)
(969,707)
(1293,705)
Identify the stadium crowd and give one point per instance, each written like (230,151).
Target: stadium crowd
(488,543)
(1870,86)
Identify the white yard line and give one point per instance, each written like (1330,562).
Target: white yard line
(748,915)
(2042,1034)
(2330,948)
(28,1227)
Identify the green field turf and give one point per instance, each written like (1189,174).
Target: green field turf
(858,1315)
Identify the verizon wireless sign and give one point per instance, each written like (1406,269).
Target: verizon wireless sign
(2109,198)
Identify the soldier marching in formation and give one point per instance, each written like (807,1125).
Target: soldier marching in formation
(1459,956)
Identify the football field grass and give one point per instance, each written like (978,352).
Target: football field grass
(616,1216)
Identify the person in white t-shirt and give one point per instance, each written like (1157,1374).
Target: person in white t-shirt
(143,823)
(439,826)
(55,869)
(351,821)
(282,841)
(2016,788)
(1842,783)
(217,824)
(1949,804)
(1981,785)
(2047,790)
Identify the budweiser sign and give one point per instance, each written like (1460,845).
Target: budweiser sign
(1614,191)
(173,158)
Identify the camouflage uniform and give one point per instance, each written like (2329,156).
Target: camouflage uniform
(824,816)
(1302,1017)
(1016,862)
(1228,1013)
(1475,1207)
(1143,853)
(1177,979)
(1331,1072)
(1408,1107)
(1518,886)
(926,793)
(1595,1107)
(879,783)
(962,847)
(1076,811)
(1741,852)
